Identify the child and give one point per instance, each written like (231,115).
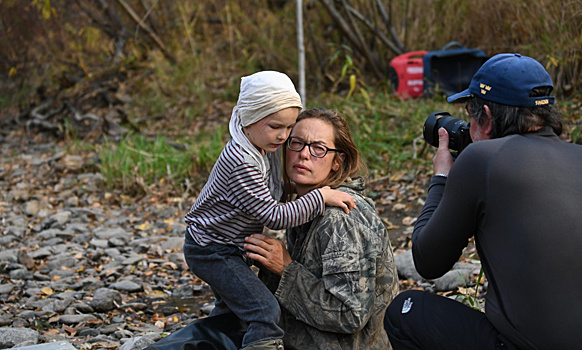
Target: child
(241,197)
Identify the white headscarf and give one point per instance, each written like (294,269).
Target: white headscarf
(262,94)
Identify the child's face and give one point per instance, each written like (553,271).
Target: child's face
(271,132)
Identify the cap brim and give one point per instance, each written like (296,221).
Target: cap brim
(459,97)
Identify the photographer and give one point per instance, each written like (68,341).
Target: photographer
(518,190)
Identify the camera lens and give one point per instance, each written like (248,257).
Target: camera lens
(457,129)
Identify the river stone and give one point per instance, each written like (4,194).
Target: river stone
(6,288)
(75,319)
(41,253)
(137,343)
(16,231)
(10,337)
(105,299)
(21,274)
(127,286)
(10,255)
(32,207)
(173,244)
(405,266)
(58,305)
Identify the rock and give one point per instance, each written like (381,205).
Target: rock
(405,266)
(58,306)
(4,321)
(108,233)
(51,242)
(118,241)
(25,259)
(16,231)
(11,337)
(10,255)
(134,306)
(75,319)
(82,307)
(184,291)
(105,299)
(99,243)
(21,274)
(91,283)
(137,343)
(173,244)
(41,253)
(89,332)
(459,276)
(452,280)
(60,219)
(32,207)
(6,288)
(5,240)
(207,308)
(127,286)
(132,260)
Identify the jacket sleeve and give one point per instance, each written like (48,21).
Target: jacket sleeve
(249,192)
(449,216)
(341,299)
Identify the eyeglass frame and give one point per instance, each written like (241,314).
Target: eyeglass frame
(327,149)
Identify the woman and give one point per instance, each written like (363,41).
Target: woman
(337,276)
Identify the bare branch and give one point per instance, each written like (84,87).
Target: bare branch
(394,47)
(364,48)
(389,26)
(145,27)
(339,20)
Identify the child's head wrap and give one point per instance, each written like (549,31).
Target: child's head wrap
(262,94)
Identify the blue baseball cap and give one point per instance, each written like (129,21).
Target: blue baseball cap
(508,79)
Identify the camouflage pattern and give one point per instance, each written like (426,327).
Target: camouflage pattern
(335,292)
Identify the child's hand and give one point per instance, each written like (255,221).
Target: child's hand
(337,198)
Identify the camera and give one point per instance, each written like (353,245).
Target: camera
(459,136)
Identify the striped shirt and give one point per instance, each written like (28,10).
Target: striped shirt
(236,202)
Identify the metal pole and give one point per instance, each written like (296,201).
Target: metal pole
(301,51)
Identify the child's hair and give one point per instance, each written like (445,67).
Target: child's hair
(351,164)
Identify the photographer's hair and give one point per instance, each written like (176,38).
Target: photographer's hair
(508,120)
(351,164)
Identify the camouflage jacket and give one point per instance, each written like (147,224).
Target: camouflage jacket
(335,292)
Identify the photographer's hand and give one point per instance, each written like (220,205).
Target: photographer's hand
(443,160)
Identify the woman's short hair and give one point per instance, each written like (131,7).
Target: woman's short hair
(351,164)
(508,120)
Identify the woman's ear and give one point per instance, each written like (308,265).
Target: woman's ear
(336,163)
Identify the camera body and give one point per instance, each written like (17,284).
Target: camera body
(459,136)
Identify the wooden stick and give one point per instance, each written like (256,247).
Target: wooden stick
(145,27)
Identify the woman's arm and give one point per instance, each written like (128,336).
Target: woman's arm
(339,297)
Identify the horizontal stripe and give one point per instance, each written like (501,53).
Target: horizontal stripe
(236,202)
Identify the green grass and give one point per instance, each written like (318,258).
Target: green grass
(137,162)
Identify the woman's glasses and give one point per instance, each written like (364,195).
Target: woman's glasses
(315,149)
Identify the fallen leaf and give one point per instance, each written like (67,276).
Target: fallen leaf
(398,206)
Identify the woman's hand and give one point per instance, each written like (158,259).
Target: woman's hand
(443,160)
(337,198)
(269,252)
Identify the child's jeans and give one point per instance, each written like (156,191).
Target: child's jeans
(236,288)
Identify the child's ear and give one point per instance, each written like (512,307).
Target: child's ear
(336,163)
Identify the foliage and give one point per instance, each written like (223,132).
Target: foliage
(189,57)
(470,296)
(136,162)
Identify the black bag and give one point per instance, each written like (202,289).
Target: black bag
(220,332)
(451,68)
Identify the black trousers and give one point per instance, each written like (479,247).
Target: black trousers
(422,320)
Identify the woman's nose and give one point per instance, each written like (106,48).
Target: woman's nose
(304,153)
